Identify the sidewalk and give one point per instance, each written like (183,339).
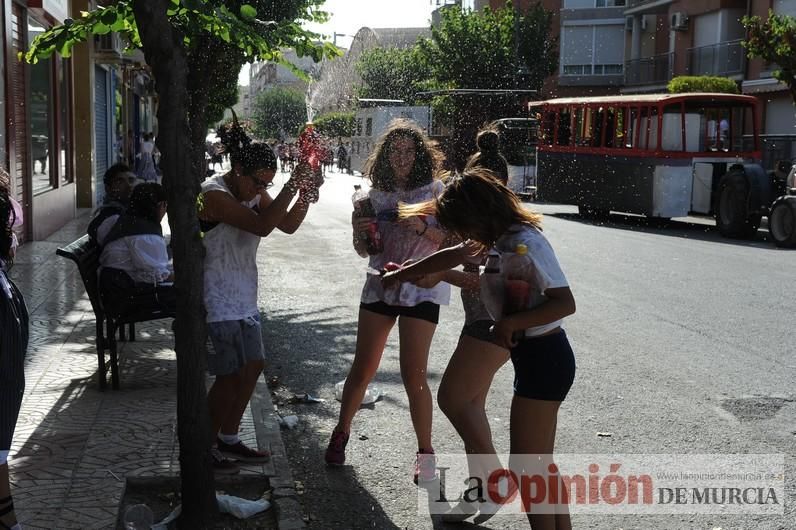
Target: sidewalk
(74,446)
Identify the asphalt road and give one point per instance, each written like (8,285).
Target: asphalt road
(683,343)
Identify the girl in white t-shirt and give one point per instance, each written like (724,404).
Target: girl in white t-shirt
(402,170)
(477,207)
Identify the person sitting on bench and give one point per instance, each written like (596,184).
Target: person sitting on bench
(135,270)
(118,181)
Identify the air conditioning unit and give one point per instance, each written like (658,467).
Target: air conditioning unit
(679,21)
(108,48)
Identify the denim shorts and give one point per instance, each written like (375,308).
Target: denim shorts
(235,343)
(544,367)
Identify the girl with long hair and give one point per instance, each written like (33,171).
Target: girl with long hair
(484,212)
(402,169)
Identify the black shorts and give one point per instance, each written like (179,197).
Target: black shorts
(544,367)
(428,311)
(480,329)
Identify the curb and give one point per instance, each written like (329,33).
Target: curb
(289,513)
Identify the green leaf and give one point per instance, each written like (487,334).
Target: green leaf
(248,12)
(109,17)
(101,29)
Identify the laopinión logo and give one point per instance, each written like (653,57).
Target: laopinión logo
(620,484)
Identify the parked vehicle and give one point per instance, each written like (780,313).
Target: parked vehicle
(659,155)
(782,217)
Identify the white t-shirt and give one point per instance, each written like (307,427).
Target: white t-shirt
(230,265)
(546,271)
(143,257)
(401,244)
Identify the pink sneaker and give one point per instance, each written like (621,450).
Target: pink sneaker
(425,466)
(335,453)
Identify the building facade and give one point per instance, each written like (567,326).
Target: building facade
(63,122)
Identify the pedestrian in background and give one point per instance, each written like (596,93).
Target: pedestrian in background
(118,181)
(488,155)
(13,346)
(147,171)
(477,206)
(237,212)
(402,169)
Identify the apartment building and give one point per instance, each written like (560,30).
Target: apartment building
(668,38)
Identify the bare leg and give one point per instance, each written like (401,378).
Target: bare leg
(220,399)
(372,333)
(533,432)
(415,339)
(462,393)
(248,380)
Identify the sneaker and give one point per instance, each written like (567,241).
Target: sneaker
(242,453)
(221,465)
(335,453)
(425,466)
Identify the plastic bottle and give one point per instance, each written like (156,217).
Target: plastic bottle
(309,145)
(517,271)
(372,394)
(491,285)
(364,208)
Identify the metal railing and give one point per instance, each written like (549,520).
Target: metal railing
(651,70)
(724,58)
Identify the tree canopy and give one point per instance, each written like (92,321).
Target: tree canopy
(335,124)
(279,113)
(393,73)
(774,40)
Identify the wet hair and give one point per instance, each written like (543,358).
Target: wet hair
(427,157)
(113,172)
(475,205)
(145,201)
(246,155)
(488,155)
(7,218)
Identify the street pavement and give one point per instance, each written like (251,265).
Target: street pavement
(683,342)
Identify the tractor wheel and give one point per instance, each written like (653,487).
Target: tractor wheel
(732,208)
(782,222)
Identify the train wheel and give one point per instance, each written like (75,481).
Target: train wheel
(782,222)
(732,208)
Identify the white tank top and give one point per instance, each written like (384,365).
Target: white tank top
(230,265)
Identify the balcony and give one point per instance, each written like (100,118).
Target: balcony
(653,70)
(647,7)
(723,59)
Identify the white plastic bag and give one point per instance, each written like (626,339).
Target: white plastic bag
(372,394)
(240,508)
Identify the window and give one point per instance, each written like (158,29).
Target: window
(564,127)
(64,120)
(41,116)
(592,50)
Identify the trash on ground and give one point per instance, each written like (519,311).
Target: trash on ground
(288,422)
(164,524)
(241,508)
(138,517)
(372,394)
(273,381)
(363,437)
(306,398)
(605,434)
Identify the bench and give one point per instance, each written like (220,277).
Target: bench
(85,253)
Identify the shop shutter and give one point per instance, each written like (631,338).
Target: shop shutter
(100,130)
(19,126)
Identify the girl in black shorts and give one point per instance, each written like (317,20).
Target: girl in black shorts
(477,207)
(402,170)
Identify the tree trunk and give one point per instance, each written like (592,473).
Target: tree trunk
(166,55)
